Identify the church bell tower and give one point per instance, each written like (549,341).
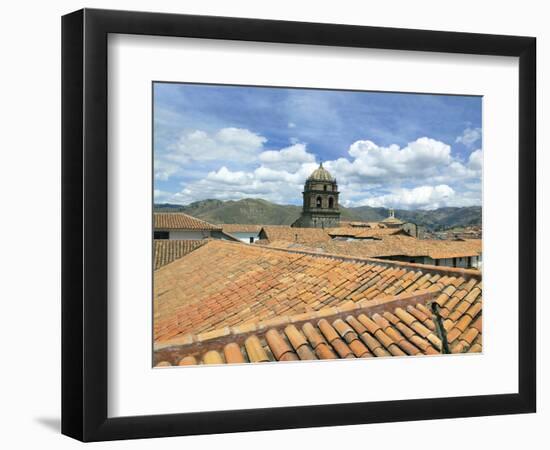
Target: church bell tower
(320,207)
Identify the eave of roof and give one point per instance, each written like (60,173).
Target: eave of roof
(241,228)
(181,221)
(391,245)
(400,325)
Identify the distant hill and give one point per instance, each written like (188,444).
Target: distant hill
(437,219)
(257,211)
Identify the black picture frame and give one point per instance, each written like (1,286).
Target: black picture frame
(84,224)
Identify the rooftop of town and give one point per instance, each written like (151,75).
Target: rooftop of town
(233,302)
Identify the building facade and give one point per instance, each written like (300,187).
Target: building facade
(320,201)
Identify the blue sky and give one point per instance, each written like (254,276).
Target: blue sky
(412,151)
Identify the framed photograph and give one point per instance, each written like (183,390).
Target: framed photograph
(272,224)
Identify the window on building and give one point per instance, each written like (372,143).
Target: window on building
(251,239)
(319,202)
(331,202)
(161,235)
(454,262)
(325,187)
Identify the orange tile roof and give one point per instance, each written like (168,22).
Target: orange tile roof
(181,221)
(394,245)
(168,250)
(401,325)
(241,228)
(350,223)
(226,284)
(364,232)
(294,234)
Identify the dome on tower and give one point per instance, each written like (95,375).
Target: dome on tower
(321,174)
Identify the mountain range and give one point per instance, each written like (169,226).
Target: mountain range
(257,211)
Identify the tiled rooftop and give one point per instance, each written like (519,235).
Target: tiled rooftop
(399,325)
(291,234)
(387,246)
(364,232)
(362,224)
(241,228)
(223,291)
(168,250)
(181,221)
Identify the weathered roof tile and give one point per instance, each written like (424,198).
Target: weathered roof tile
(181,221)
(233,303)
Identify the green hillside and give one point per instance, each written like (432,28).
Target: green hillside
(257,211)
(441,218)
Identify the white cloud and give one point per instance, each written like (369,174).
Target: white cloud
(161,196)
(469,136)
(289,159)
(225,176)
(421,197)
(425,158)
(224,145)
(475,162)
(291,125)
(164,169)
(423,174)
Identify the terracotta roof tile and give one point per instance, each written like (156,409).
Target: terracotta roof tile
(181,221)
(323,351)
(371,326)
(373,344)
(291,356)
(289,235)
(359,349)
(344,329)
(420,316)
(212,357)
(279,346)
(472,295)
(434,340)
(342,349)
(241,228)
(168,250)
(305,353)
(477,324)
(313,335)
(296,338)
(356,325)
(463,323)
(363,232)
(234,303)
(233,354)
(256,352)
(470,335)
(453,335)
(328,331)
(474,310)
(406,317)
(476,348)
(383,244)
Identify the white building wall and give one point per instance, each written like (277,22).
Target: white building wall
(246,236)
(450,262)
(447,262)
